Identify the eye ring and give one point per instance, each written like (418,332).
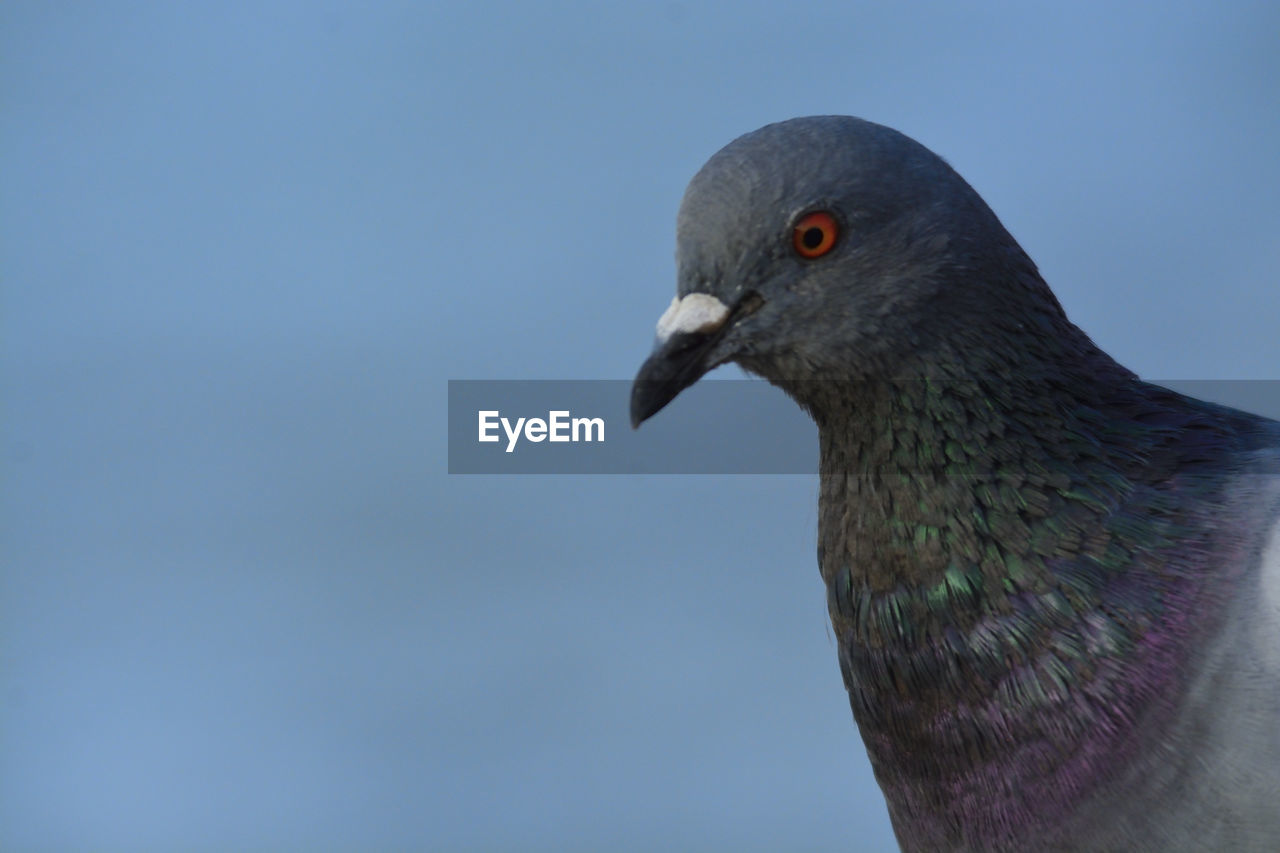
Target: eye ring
(815,234)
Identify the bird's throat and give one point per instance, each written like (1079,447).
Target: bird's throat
(992,565)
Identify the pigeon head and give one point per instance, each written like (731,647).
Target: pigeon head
(834,248)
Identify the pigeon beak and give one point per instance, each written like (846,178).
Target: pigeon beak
(688,332)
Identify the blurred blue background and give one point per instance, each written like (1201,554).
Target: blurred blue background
(243,606)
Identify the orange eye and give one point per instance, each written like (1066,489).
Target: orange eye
(815,234)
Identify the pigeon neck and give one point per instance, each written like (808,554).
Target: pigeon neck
(976,562)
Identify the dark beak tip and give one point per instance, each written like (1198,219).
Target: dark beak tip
(645,393)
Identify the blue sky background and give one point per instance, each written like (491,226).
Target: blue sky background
(244,246)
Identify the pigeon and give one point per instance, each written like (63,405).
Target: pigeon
(1054,588)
